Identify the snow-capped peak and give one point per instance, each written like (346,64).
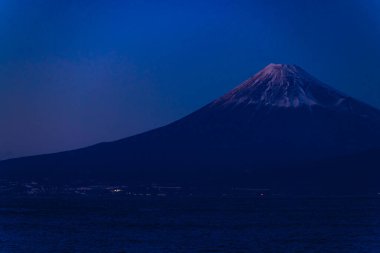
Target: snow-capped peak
(282,85)
(280,72)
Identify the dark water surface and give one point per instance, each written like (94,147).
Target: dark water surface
(189,224)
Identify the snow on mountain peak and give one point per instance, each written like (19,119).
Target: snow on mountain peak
(281,72)
(282,85)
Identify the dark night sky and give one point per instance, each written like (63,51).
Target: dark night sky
(78,72)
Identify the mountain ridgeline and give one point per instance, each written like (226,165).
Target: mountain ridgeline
(281,129)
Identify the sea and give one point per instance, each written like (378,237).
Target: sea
(189,224)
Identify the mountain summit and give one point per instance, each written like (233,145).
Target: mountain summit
(261,130)
(283,85)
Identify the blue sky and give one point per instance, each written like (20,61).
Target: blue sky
(74,73)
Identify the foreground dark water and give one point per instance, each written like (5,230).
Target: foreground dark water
(189,224)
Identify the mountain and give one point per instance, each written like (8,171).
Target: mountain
(282,127)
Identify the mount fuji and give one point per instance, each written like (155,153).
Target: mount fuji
(279,129)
